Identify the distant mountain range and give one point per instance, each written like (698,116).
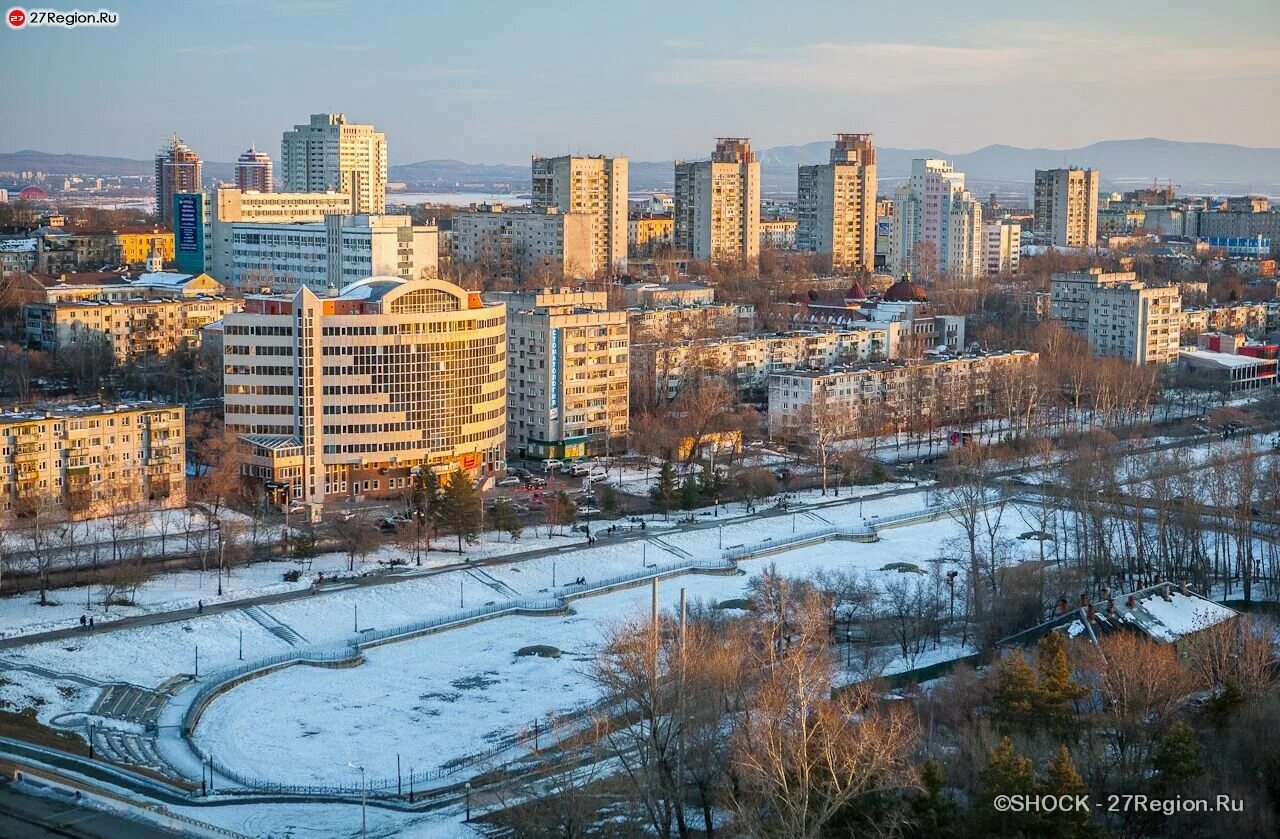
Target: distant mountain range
(1216,168)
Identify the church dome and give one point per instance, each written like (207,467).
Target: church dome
(857,292)
(905,291)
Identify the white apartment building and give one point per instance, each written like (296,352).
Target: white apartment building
(836,205)
(881,397)
(350,395)
(746,361)
(1001,247)
(717,203)
(1066,207)
(1119,315)
(333,253)
(328,154)
(935,215)
(567,374)
(523,243)
(224,207)
(597,187)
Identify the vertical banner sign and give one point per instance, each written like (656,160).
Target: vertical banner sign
(553,376)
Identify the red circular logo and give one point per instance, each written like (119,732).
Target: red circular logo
(17,18)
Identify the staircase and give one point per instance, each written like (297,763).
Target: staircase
(275,627)
(133,749)
(482,576)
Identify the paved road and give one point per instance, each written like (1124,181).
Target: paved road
(23,816)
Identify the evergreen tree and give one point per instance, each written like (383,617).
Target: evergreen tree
(1062,779)
(664,490)
(460,509)
(1016,696)
(426,503)
(1006,773)
(1058,690)
(1177,758)
(505,519)
(932,814)
(608,498)
(689,495)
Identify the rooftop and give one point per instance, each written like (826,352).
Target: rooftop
(83,410)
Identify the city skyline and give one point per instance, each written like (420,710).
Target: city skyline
(651,84)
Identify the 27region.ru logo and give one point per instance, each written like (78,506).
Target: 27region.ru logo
(19,18)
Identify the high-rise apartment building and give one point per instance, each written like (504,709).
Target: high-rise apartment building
(524,243)
(595,186)
(836,207)
(329,154)
(253,171)
(717,203)
(91,460)
(1119,315)
(567,374)
(351,395)
(178,169)
(1066,207)
(1001,246)
(937,224)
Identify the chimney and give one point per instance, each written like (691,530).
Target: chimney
(1157,579)
(1182,589)
(1111,607)
(1091,614)
(1084,600)
(1062,605)
(1165,592)
(1132,602)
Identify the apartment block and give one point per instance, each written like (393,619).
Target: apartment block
(778,234)
(567,374)
(351,395)
(648,234)
(318,255)
(717,203)
(936,224)
(836,205)
(1066,207)
(596,187)
(1119,315)
(329,154)
(86,461)
(178,169)
(132,328)
(881,397)
(1238,317)
(666,324)
(746,361)
(1001,247)
(523,243)
(254,171)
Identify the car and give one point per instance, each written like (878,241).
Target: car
(519,473)
(534,482)
(783,473)
(398,519)
(588,510)
(510,481)
(597,477)
(551,464)
(577,470)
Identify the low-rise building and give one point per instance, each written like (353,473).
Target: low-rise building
(746,361)
(523,243)
(880,397)
(668,294)
(778,234)
(89,461)
(567,374)
(1235,317)
(1229,364)
(667,324)
(648,234)
(133,328)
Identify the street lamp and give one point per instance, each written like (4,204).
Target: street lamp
(468,788)
(951,581)
(363,799)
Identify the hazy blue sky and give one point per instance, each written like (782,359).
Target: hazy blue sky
(496,80)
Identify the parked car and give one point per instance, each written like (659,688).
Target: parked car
(519,473)
(510,481)
(577,470)
(533,482)
(588,510)
(551,464)
(597,477)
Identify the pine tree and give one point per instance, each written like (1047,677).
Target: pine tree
(1006,773)
(608,497)
(689,494)
(664,490)
(933,815)
(460,508)
(1057,688)
(1177,758)
(1062,779)
(1016,695)
(426,503)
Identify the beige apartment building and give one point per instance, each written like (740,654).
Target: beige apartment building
(133,328)
(717,203)
(523,243)
(664,324)
(351,395)
(648,234)
(1002,247)
(836,205)
(1119,315)
(883,396)
(329,154)
(746,361)
(567,374)
(91,460)
(1238,317)
(595,186)
(1066,207)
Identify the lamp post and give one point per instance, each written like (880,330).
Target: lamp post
(197,661)
(951,581)
(553,573)
(722,537)
(218,524)
(363,800)
(468,788)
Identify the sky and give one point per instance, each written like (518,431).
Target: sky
(493,81)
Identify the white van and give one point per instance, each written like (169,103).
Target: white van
(550,465)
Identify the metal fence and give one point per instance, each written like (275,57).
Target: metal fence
(822,534)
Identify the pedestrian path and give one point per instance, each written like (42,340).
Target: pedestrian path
(277,628)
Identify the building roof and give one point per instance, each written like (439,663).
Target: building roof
(18,245)
(273,442)
(905,291)
(1163,612)
(88,409)
(1221,359)
(84,278)
(370,289)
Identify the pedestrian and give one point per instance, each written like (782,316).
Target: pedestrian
(91,623)
(83,621)
(200,607)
